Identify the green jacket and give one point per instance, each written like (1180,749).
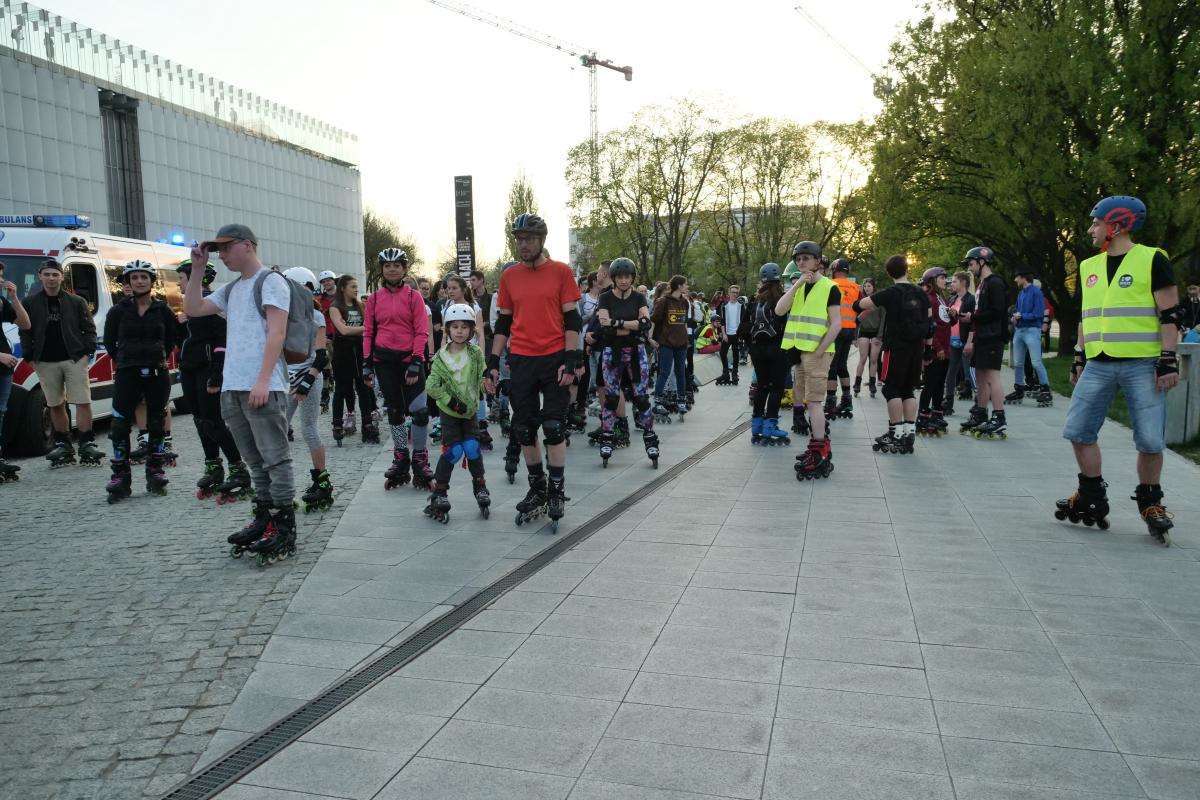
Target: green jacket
(442,384)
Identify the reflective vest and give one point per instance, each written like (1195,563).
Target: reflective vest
(808,321)
(1121,318)
(850,293)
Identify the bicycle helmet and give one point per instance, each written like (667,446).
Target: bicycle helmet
(137,266)
(807,248)
(1120,211)
(769,272)
(840,265)
(985,254)
(302,276)
(622,266)
(932,274)
(393,255)
(529,223)
(791,272)
(327,275)
(185,269)
(459,312)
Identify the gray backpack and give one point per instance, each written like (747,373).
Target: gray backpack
(301,330)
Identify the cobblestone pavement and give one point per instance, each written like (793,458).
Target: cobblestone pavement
(127,630)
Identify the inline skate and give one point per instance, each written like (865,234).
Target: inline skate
(800,421)
(663,408)
(772,436)
(156,477)
(119,485)
(1149,498)
(237,485)
(422,475)
(89,454)
(556,502)
(169,456)
(241,541)
(871,388)
(650,441)
(139,453)
(482,497)
(975,417)
(486,443)
(1015,397)
(210,482)
(370,431)
(725,379)
(888,443)
(831,407)
(534,504)
(438,508)
(1045,398)
(339,433)
(620,432)
(1088,505)
(576,419)
(319,496)
(512,458)
(756,430)
(857,385)
(606,448)
(9,473)
(816,462)
(994,428)
(279,540)
(844,409)
(397,473)
(63,453)
(348,424)
(435,429)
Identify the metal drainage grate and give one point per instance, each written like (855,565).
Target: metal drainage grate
(226,770)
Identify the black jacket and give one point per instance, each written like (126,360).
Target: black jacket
(990,321)
(78,327)
(203,346)
(139,340)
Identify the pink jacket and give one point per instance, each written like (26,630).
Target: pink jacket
(395,319)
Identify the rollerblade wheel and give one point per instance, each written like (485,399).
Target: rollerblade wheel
(1059,514)
(235,551)
(512,479)
(485,512)
(654,463)
(1102,524)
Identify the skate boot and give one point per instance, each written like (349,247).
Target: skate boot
(772,435)
(156,477)
(237,485)
(422,475)
(1015,397)
(871,388)
(606,449)
(319,496)
(1045,398)
(650,440)
(89,454)
(857,385)
(397,473)
(435,430)
(348,423)
(63,453)
(906,443)
(486,443)
(976,417)
(438,508)
(681,407)
(370,432)
(722,379)
(662,411)
(1088,505)
(279,540)
(888,443)
(593,409)
(937,423)
(733,379)
(1149,498)
(240,542)
(119,484)
(800,421)
(210,482)
(142,450)
(756,430)
(831,406)
(169,456)
(817,461)
(845,409)
(994,428)
(965,392)
(621,432)
(923,426)
(534,504)
(556,502)
(576,420)
(339,433)
(512,459)
(9,472)
(595,436)
(482,497)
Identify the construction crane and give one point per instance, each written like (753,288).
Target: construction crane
(587,56)
(883,86)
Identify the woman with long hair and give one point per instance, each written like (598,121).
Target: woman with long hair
(346,313)
(869,344)
(771,365)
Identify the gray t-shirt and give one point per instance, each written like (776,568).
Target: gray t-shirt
(246,334)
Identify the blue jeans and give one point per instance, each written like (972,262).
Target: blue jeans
(1028,340)
(6,381)
(671,358)
(1094,393)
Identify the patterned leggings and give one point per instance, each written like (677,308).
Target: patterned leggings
(626,366)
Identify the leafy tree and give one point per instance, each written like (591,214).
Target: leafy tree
(380,233)
(520,201)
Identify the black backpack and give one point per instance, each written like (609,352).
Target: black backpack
(762,328)
(912,323)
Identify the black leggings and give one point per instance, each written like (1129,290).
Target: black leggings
(131,385)
(347,380)
(934,391)
(839,367)
(771,368)
(215,438)
(732,343)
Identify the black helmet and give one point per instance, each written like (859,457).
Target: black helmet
(807,248)
(185,269)
(840,265)
(769,272)
(985,254)
(622,266)
(529,223)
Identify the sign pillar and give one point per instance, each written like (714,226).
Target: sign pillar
(464,225)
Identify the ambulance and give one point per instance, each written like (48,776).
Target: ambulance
(92,265)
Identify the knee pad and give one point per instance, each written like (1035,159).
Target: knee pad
(395,416)
(552,431)
(420,418)
(889,393)
(641,404)
(528,435)
(453,452)
(471,449)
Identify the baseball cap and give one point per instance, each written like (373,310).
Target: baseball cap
(1027,272)
(231,233)
(50,263)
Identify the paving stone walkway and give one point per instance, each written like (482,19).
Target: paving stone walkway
(914,627)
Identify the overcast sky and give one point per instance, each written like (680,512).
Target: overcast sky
(432,94)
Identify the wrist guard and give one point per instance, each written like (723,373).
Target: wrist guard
(303,382)
(644,324)
(320,359)
(1080,360)
(1172,316)
(503,324)
(572,360)
(457,406)
(415,368)
(1168,364)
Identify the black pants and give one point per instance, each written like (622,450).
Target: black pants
(933,394)
(132,385)
(536,398)
(730,344)
(215,438)
(771,367)
(691,360)
(399,396)
(348,380)
(838,368)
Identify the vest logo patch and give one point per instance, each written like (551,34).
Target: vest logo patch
(1092,279)
(1125,282)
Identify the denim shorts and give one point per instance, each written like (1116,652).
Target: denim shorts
(1094,393)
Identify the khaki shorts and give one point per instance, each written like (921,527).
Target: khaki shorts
(809,377)
(67,379)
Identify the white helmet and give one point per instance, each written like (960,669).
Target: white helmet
(459,312)
(327,274)
(393,255)
(138,266)
(302,276)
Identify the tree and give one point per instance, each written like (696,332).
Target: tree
(520,201)
(380,233)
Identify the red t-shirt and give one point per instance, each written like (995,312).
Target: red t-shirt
(536,297)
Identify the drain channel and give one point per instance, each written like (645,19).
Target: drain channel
(227,769)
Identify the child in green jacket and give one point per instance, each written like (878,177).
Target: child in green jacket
(455,380)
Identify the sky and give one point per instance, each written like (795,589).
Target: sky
(432,94)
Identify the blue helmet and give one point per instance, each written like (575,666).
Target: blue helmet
(769,272)
(1127,213)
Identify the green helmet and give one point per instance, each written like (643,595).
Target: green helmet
(791,272)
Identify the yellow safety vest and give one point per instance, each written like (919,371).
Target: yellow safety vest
(808,321)
(1121,318)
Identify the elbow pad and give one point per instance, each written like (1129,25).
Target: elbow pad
(1172,316)
(503,324)
(644,324)
(572,321)
(320,359)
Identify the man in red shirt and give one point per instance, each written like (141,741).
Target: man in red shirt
(538,320)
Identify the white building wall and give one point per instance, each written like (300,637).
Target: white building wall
(197,174)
